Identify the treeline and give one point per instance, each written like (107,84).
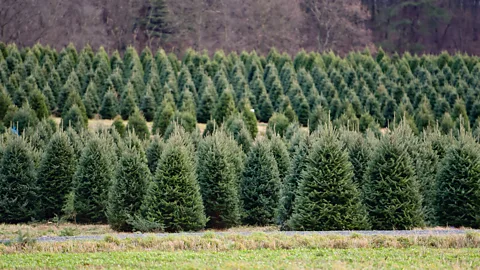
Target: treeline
(330,179)
(361,90)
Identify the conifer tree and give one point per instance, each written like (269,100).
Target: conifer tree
(162,119)
(38,103)
(217,163)
(21,118)
(75,99)
(137,124)
(19,200)
(91,100)
(278,124)
(74,118)
(391,189)
(110,106)
(119,126)
(458,197)
(174,199)
(265,107)
(129,187)
(55,175)
(5,102)
(92,180)
(128,103)
(327,198)
(148,105)
(249,118)
(205,110)
(260,185)
(154,152)
(225,106)
(281,155)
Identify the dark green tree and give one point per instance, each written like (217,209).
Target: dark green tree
(55,175)
(154,152)
(119,126)
(92,180)
(38,103)
(278,124)
(19,200)
(148,105)
(74,118)
(174,199)
(225,106)
(128,190)
(162,119)
(217,168)
(137,124)
(260,185)
(458,197)
(128,103)
(327,198)
(110,106)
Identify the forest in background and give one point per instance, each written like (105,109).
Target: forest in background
(417,26)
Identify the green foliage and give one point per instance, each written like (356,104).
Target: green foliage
(128,190)
(327,198)
(38,103)
(19,200)
(154,152)
(74,118)
(21,118)
(119,126)
(225,106)
(391,191)
(110,106)
(173,198)
(218,161)
(458,198)
(137,124)
(260,186)
(92,180)
(55,175)
(278,124)
(162,119)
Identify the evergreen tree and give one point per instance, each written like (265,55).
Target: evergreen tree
(154,152)
(205,110)
(391,189)
(91,100)
(458,198)
(119,126)
(174,199)
(19,200)
(281,155)
(92,180)
(148,105)
(137,124)
(128,105)
(265,107)
(55,175)
(162,119)
(5,102)
(74,118)
(110,107)
(278,124)
(21,118)
(38,103)
(217,163)
(249,118)
(327,198)
(260,185)
(128,190)
(225,106)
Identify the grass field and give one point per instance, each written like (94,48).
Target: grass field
(389,258)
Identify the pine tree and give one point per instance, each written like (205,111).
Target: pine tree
(74,118)
(265,107)
(225,106)
(55,175)
(260,185)
(91,100)
(290,184)
(278,124)
(119,126)
(110,107)
(21,118)
(129,186)
(162,119)
(5,102)
(19,200)
(327,198)
(458,198)
(205,110)
(174,199)
(38,103)
(217,163)
(92,180)
(249,118)
(391,189)
(281,155)
(137,124)
(148,105)
(154,152)
(128,105)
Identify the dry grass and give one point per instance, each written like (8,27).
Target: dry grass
(255,241)
(35,230)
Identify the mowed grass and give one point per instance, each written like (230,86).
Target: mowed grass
(382,258)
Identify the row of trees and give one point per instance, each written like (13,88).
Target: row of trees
(362,90)
(330,179)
